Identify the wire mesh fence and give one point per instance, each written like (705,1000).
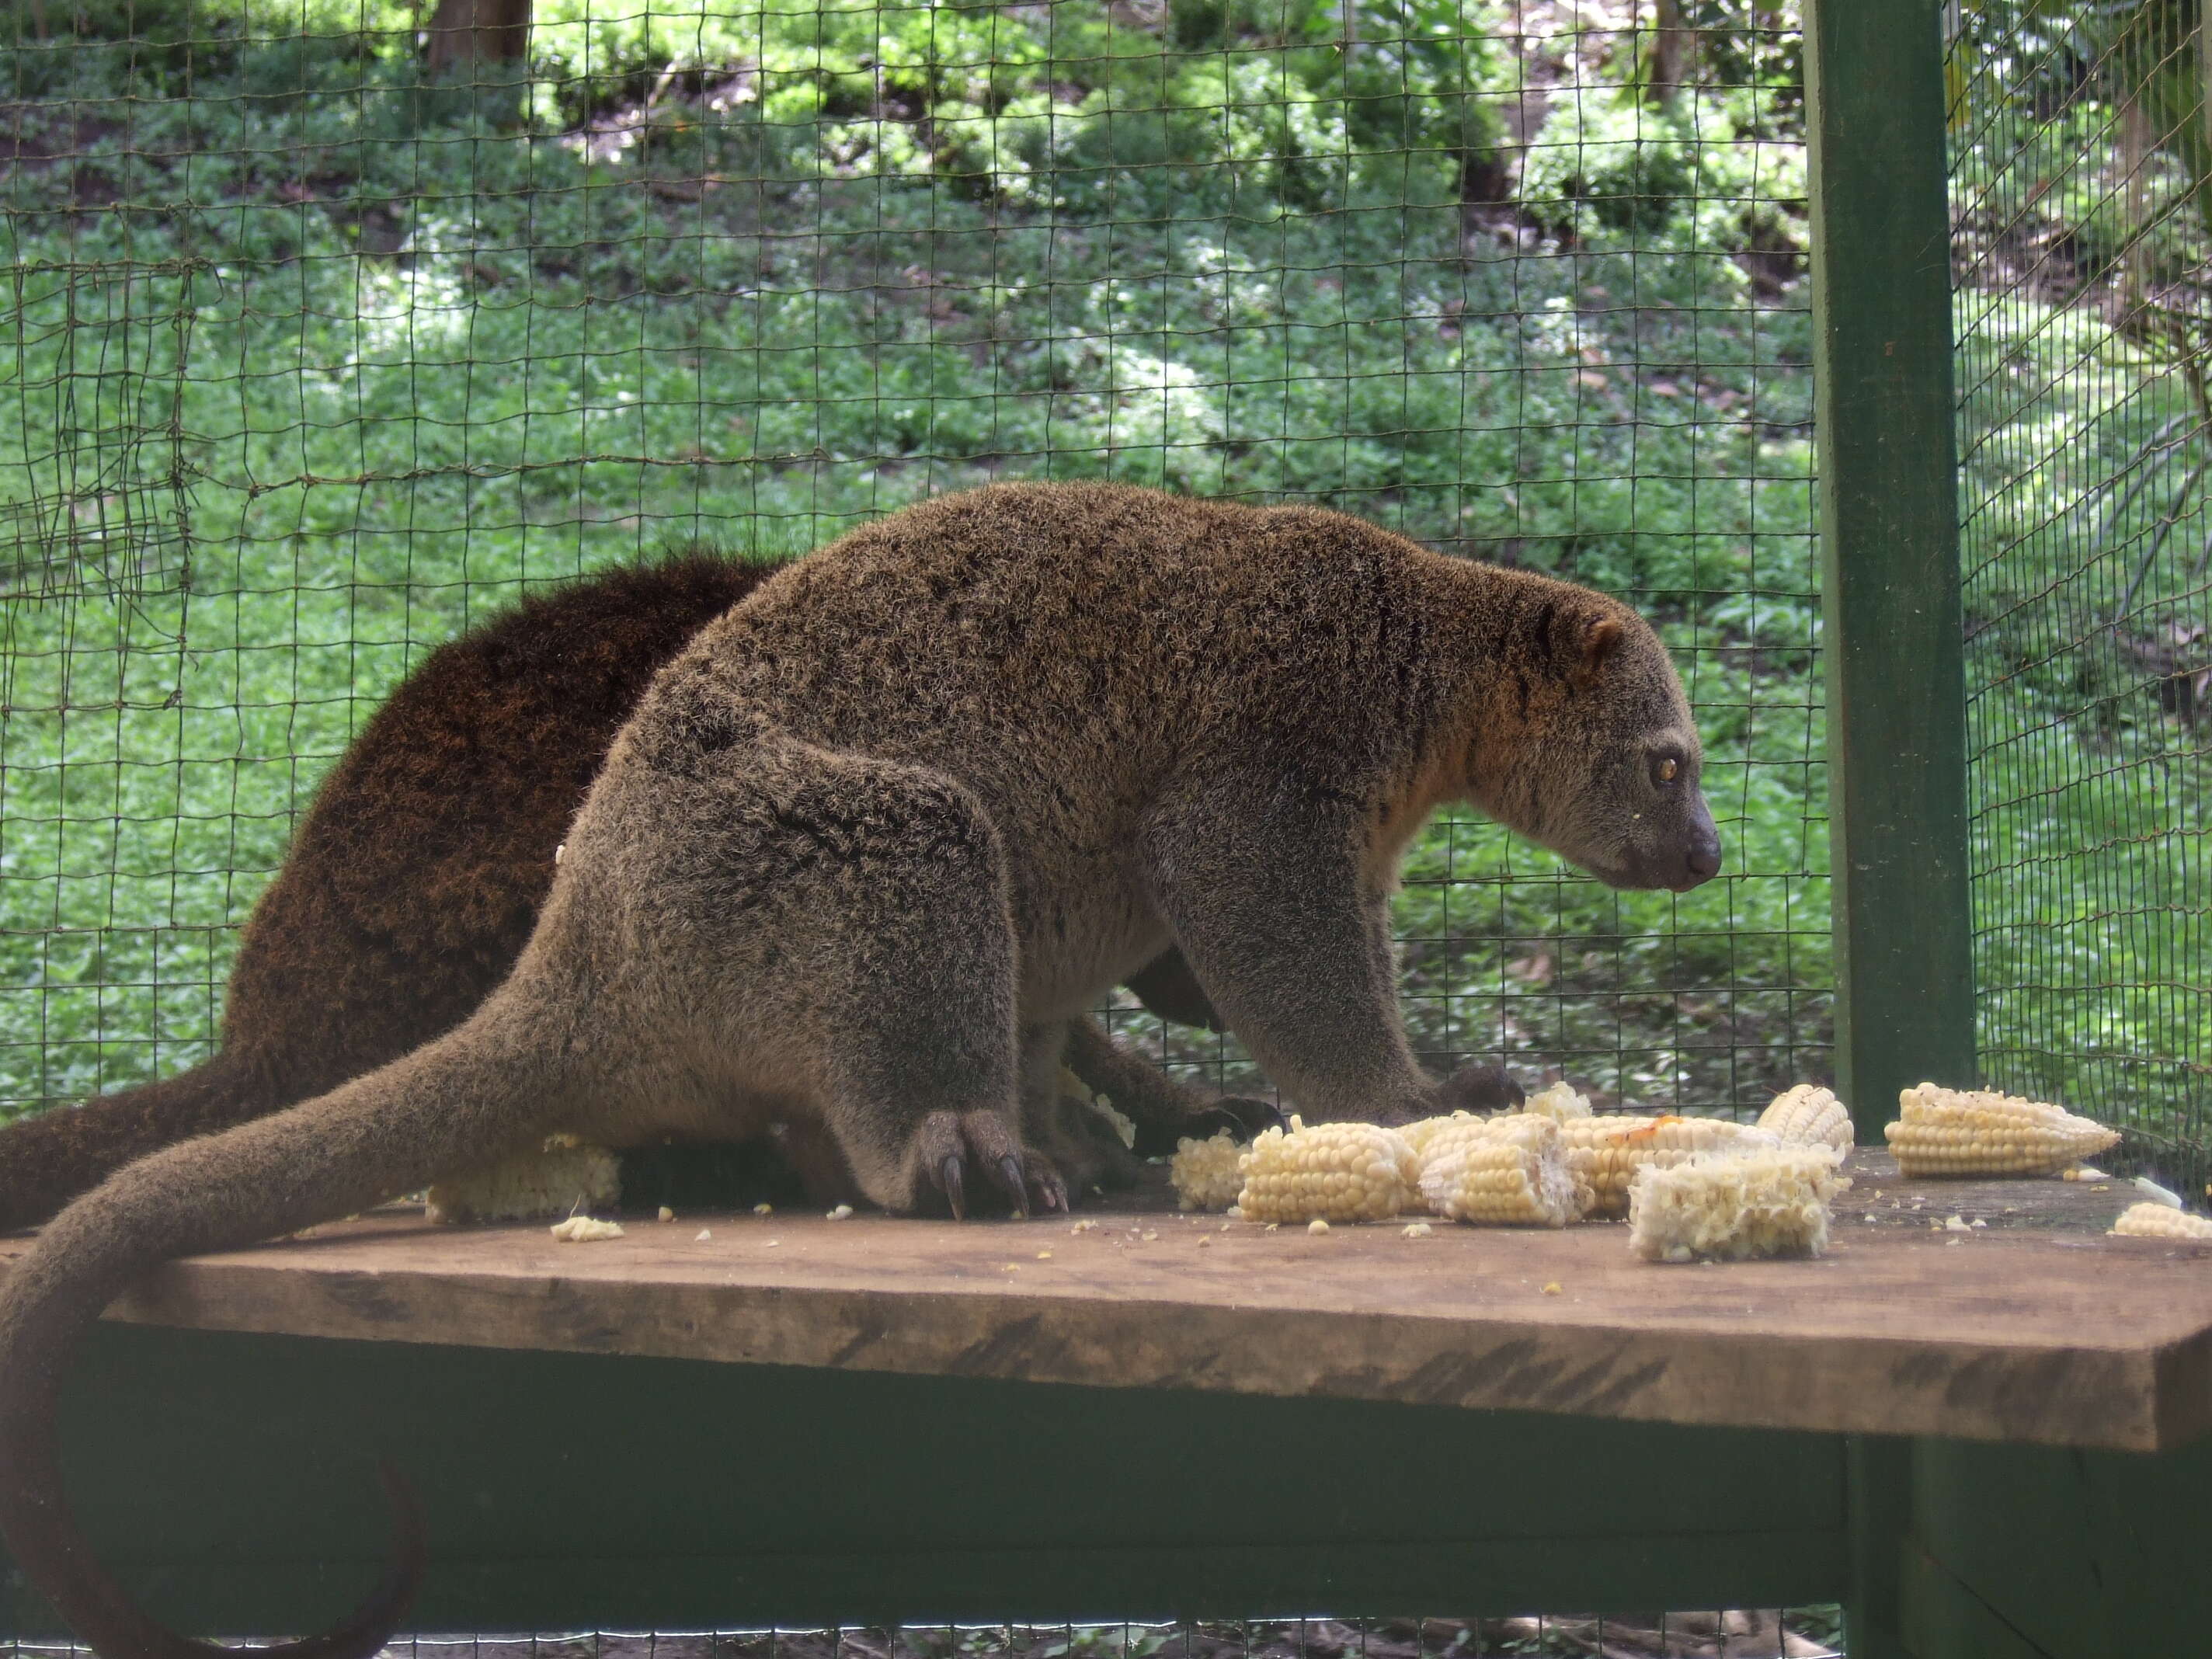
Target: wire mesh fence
(2079,161)
(332,325)
(1767,1634)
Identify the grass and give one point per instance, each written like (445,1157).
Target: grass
(303,380)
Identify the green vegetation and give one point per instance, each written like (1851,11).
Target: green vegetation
(310,364)
(2079,158)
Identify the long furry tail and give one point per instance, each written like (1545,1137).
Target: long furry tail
(466,1099)
(47,1160)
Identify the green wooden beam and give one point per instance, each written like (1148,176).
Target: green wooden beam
(230,1479)
(1893,628)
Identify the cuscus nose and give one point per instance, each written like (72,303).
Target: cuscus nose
(1704,859)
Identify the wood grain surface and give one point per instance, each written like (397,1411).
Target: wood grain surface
(2046,1333)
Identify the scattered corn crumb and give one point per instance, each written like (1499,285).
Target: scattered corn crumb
(1205,1239)
(1151,1234)
(584,1229)
(841,1212)
(1552,1288)
(1317,1225)
(1955,1223)
(763,1209)
(1044,1255)
(1418,1230)
(666,1215)
(702,1235)
(1085,1225)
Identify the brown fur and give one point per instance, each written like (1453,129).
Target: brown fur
(877,835)
(417,873)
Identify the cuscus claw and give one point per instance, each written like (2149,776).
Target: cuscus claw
(955,1183)
(1053,1193)
(1009,1172)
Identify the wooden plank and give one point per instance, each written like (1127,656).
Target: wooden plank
(1893,622)
(231,1479)
(2049,1337)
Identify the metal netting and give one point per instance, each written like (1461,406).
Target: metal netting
(331,327)
(1814,1632)
(2079,166)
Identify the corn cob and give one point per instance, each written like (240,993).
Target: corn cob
(1418,1134)
(1330,1172)
(1733,1205)
(1561,1102)
(2161,1221)
(1953,1131)
(1605,1152)
(1206,1173)
(1809,1115)
(1506,1171)
(564,1176)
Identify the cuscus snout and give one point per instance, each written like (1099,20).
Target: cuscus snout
(1689,859)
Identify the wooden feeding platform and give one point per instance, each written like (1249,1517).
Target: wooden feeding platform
(796,1418)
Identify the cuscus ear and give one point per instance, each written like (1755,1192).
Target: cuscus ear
(1596,638)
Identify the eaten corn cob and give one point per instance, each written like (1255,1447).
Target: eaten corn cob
(1561,1102)
(1206,1173)
(565,1174)
(1605,1152)
(1507,1171)
(1330,1172)
(1808,1115)
(1957,1132)
(2152,1220)
(1733,1205)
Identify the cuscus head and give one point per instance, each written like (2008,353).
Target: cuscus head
(1588,746)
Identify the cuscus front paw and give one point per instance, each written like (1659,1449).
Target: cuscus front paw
(965,1157)
(1242,1116)
(1480,1089)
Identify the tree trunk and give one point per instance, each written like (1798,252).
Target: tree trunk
(469,32)
(1670,50)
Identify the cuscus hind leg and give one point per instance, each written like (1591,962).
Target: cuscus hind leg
(905,899)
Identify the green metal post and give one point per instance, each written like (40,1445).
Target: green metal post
(1894,631)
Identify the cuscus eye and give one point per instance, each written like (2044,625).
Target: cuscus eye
(1664,768)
